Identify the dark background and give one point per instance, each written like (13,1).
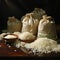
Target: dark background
(18,8)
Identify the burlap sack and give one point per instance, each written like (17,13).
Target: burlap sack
(29,24)
(13,24)
(47,28)
(37,13)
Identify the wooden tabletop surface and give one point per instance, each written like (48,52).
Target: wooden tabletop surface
(6,50)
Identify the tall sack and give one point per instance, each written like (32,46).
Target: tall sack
(29,24)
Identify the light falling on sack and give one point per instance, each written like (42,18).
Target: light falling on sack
(47,28)
(29,24)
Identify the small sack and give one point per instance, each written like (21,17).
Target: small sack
(13,24)
(47,28)
(29,24)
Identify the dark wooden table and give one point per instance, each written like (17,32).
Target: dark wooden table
(6,50)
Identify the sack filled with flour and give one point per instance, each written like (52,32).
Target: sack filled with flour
(29,24)
(47,28)
(13,24)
